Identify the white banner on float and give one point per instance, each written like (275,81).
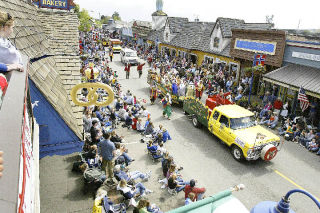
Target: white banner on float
(26,182)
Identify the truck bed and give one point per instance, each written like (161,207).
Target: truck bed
(194,107)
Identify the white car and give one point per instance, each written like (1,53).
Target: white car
(129,56)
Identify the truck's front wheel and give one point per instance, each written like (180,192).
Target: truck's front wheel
(195,122)
(237,153)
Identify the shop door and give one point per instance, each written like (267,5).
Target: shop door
(194,59)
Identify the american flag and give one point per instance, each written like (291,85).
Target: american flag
(302,97)
(259,59)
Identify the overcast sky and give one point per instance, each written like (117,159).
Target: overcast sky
(287,13)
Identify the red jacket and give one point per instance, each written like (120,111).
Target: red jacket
(277,104)
(134,123)
(139,67)
(195,190)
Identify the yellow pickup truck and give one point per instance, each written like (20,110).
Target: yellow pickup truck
(237,128)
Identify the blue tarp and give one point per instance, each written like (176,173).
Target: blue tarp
(55,138)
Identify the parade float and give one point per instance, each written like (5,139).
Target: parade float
(235,126)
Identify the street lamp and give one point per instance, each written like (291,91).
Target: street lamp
(283,205)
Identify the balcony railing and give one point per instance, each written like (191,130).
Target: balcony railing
(11,123)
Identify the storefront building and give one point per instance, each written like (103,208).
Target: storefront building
(301,68)
(246,43)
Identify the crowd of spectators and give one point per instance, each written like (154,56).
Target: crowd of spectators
(105,158)
(183,78)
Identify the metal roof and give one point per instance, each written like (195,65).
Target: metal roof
(294,76)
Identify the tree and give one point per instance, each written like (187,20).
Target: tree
(116,16)
(104,19)
(85,21)
(77,9)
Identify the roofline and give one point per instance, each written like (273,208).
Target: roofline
(259,31)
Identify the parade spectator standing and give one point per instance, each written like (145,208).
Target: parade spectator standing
(139,69)
(107,153)
(127,70)
(95,133)
(111,54)
(10,57)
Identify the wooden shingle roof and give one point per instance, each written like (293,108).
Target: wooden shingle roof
(36,35)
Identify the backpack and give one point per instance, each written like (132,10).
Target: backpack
(91,174)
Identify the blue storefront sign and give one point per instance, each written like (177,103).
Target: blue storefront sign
(55,4)
(256,46)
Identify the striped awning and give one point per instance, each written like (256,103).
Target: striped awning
(294,76)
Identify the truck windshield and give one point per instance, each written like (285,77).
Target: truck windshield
(131,54)
(116,45)
(241,123)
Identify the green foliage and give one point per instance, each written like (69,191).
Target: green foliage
(105,19)
(77,9)
(98,23)
(116,16)
(85,20)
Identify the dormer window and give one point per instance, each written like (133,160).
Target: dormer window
(216,42)
(167,36)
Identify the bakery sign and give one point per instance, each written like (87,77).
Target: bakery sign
(256,46)
(55,4)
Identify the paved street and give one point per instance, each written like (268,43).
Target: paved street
(203,158)
(210,162)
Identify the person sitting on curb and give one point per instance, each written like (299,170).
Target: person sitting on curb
(121,151)
(140,127)
(272,122)
(266,108)
(129,176)
(132,191)
(116,138)
(190,199)
(177,184)
(199,192)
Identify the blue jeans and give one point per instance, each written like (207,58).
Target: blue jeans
(136,174)
(126,158)
(304,141)
(183,185)
(139,189)
(263,112)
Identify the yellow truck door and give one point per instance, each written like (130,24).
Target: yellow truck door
(225,132)
(213,124)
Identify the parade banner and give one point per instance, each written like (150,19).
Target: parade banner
(26,181)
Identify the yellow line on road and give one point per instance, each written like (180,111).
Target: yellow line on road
(292,182)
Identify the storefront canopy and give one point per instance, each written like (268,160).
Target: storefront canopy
(294,76)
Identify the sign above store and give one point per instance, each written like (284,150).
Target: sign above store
(257,46)
(55,4)
(306,56)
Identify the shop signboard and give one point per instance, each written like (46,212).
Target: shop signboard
(307,56)
(265,47)
(55,4)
